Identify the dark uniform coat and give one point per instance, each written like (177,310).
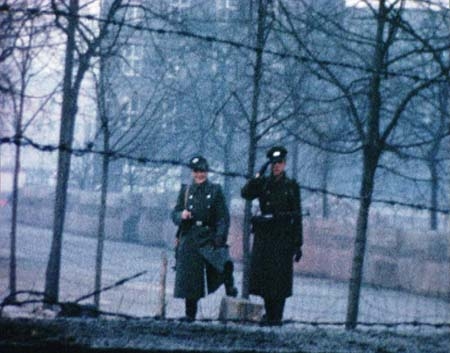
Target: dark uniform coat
(277,235)
(196,253)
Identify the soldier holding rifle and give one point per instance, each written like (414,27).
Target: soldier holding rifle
(203,219)
(278,234)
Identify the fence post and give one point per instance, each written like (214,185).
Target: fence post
(162,288)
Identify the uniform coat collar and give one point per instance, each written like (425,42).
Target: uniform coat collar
(202,186)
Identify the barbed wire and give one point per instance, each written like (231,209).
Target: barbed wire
(36,11)
(73,309)
(24,141)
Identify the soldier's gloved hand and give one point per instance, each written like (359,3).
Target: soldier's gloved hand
(298,255)
(219,242)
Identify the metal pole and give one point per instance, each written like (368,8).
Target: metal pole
(162,288)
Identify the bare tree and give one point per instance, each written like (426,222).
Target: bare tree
(10,31)
(375,114)
(102,112)
(24,32)
(435,154)
(130,106)
(75,68)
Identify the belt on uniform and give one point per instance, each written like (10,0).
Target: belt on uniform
(200,224)
(270,217)
(280,215)
(267,215)
(262,218)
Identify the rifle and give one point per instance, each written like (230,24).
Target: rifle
(180,227)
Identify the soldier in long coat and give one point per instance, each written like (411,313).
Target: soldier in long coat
(203,219)
(278,234)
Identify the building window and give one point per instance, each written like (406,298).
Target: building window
(125,121)
(131,109)
(231,4)
(176,69)
(133,106)
(178,8)
(180,4)
(135,13)
(109,102)
(227,9)
(273,8)
(277,68)
(168,114)
(132,60)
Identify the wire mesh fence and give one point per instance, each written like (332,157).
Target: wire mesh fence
(315,300)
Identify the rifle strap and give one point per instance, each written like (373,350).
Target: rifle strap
(186,194)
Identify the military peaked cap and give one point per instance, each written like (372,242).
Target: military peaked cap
(276,154)
(199,163)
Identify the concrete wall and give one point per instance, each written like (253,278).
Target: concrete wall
(397,257)
(129,218)
(416,261)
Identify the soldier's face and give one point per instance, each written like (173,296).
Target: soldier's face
(278,168)
(199,176)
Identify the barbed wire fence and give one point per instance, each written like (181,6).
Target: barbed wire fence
(114,155)
(315,302)
(134,286)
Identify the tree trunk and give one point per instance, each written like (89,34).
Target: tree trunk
(13,238)
(434,194)
(227,162)
(359,249)
(102,111)
(68,113)
(371,154)
(433,154)
(101,225)
(253,141)
(295,151)
(325,175)
(25,65)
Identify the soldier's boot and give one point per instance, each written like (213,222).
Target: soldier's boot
(230,289)
(273,316)
(191,310)
(278,308)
